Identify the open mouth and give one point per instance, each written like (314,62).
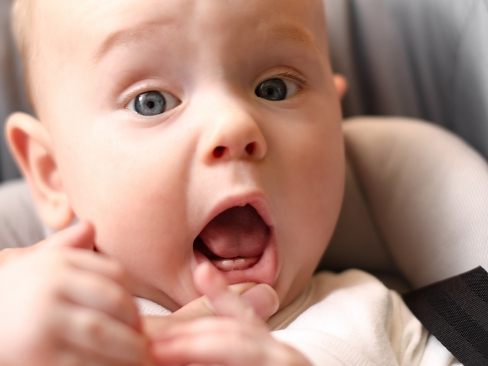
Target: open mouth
(236,242)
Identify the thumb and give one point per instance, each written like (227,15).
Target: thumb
(80,235)
(259,300)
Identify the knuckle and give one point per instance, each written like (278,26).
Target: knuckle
(92,326)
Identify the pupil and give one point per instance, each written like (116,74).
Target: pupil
(150,103)
(272,89)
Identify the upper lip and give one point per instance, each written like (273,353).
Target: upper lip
(255,199)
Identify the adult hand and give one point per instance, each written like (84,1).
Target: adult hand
(261,299)
(236,336)
(64,304)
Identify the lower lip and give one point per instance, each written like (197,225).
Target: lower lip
(262,269)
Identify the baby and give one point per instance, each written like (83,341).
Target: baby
(202,140)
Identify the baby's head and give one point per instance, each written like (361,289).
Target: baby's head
(186,131)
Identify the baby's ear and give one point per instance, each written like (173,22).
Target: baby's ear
(31,146)
(340,84)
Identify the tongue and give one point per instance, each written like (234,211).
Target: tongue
(238,232)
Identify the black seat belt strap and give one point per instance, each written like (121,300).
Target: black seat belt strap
(455,311)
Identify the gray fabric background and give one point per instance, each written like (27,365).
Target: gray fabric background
(11,88)
(420,58)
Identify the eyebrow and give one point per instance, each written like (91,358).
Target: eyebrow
(126,36)
(292,33)
(283,31)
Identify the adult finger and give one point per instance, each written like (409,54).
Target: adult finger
(75,357)
(100,293)
(95,263)
(263,299)
(225,302)
(116,287)
(208,341)
(79,235)
(255,300)
(101,337)
(71,356)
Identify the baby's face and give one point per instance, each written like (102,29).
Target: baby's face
(192,131)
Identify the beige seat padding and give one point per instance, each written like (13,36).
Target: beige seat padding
(416,201)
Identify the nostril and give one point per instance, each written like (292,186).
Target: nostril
(250,148)
(219,151)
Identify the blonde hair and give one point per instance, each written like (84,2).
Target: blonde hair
(22,22)
(21,18)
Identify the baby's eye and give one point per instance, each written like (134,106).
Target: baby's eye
(153,103)
(276,89)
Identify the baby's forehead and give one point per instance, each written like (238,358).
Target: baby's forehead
(90,20)
(60,28)
(93,13)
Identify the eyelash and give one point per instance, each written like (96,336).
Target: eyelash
(294,77)
(301,84)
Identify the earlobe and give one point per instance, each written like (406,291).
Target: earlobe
(340,84)
(30,143)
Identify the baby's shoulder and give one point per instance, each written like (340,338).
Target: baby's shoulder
(353,283)
(353,314)
(353,296)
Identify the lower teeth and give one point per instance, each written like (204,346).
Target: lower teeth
(234,264)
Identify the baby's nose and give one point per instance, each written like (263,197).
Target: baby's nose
(235,134)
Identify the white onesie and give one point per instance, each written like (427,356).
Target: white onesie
(351,319)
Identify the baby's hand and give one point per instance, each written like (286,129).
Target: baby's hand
(236,336)
(62,304)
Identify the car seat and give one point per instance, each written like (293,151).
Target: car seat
(416,205)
